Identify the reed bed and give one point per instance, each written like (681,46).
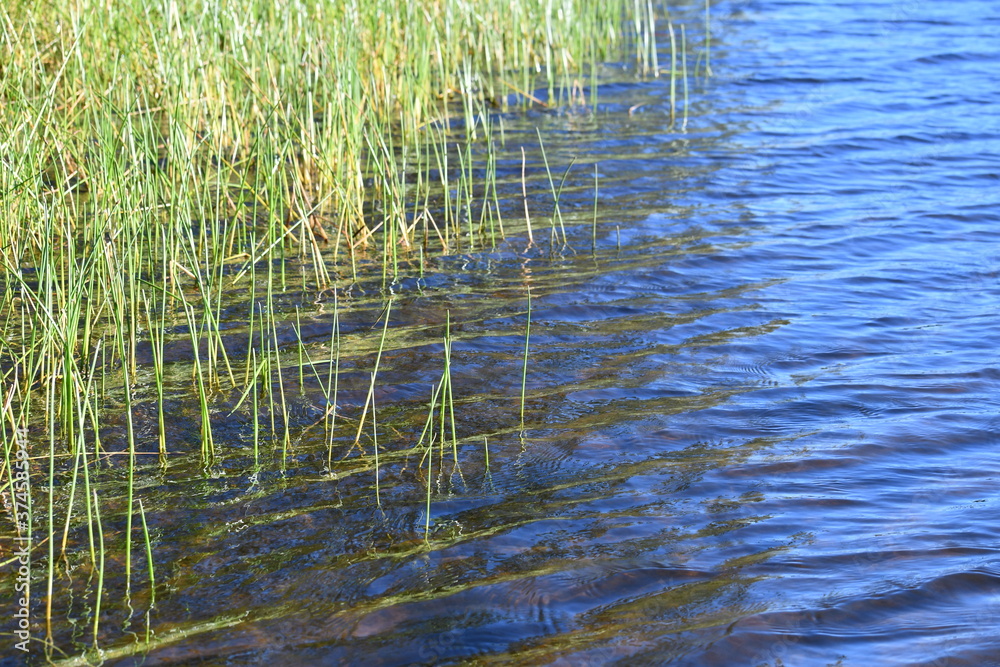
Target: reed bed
(169,167)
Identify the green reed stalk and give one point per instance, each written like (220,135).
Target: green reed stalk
(524,196)
(430,467)
(207,440)
(371,387)
(428,431)
(593,228)
(441,156)
(333,378)
(51,508)
(86,464)
(149,569)
(673,74)
(593,75)
(378,490)
(491,179)
(524,367)
(651,31)
(130,426)
(286,439)
(553,189)
(443,407)
(265,366)
(156,344)
(684,75)
(80,455)
(250,344)
(448,387)
(100,568)
(255,407)
(642,51)
(300,348)
(149,556)
(708,38)
(465,165)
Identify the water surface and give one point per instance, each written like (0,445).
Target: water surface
(761,419)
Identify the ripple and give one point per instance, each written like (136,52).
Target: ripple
(760,431)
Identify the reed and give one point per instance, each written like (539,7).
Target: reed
(524,366)
(448,397)
(100,568)
(524,196)
(332,385)
(593,226)
(166,165)
(708,38)
(150,569)
(673,73)
(684,75)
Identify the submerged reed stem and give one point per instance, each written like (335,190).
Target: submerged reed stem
(167,170)
(524,366)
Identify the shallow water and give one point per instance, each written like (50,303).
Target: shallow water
(762,430)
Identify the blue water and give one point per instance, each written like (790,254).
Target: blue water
(779,442)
